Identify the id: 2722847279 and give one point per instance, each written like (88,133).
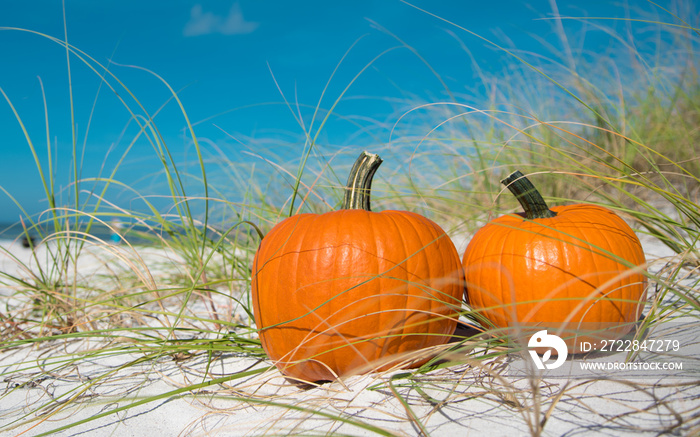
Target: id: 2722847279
(650,345)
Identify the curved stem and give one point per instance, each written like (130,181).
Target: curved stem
(358,188)
(527,195)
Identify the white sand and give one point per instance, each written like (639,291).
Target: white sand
(459,400)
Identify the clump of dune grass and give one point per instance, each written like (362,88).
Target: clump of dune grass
(175,293)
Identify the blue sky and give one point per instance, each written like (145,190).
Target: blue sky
(229,60)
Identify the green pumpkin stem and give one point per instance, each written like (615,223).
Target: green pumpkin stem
(530,199)
(358,188)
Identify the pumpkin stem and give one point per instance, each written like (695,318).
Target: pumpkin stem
(530,199)
(357,190)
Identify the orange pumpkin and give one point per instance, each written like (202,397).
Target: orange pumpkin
(352,291)
(577,270)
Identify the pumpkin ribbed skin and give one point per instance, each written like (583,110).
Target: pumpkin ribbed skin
(352,291)
(571,273)
(350,288)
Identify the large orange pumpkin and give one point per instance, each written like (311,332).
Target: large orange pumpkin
(352,291)
(577,270)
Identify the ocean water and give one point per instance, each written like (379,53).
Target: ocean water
(15,232)
(136,234)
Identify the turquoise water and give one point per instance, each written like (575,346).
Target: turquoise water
(136,234)
(15,232)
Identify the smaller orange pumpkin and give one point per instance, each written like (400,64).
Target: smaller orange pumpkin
(577,270)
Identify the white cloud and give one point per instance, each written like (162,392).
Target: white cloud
(204,23)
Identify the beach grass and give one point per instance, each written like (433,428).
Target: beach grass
(86,320)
